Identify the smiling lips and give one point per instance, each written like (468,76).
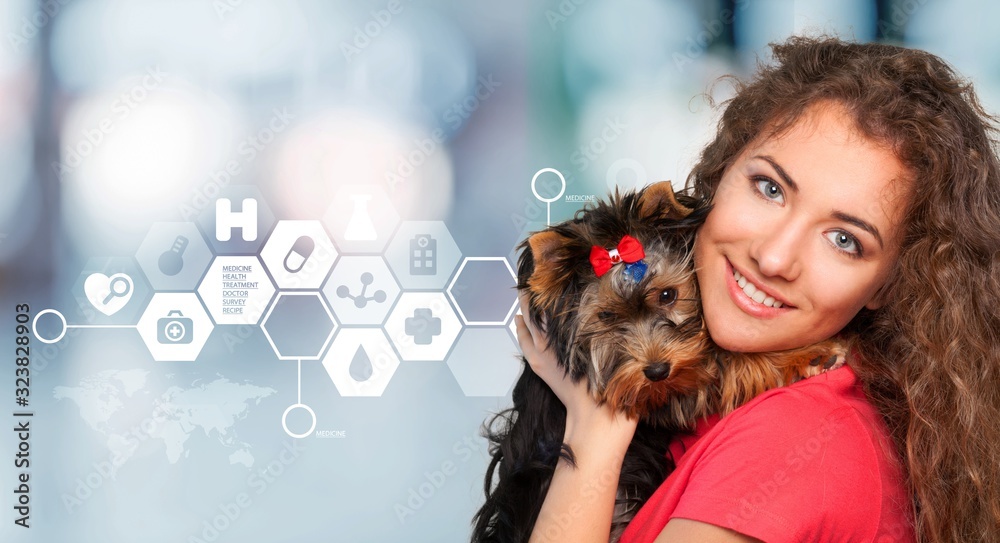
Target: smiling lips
(753,292)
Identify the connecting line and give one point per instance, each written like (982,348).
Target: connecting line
(101,326)
(300,381)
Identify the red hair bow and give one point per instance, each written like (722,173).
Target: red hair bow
(629,250)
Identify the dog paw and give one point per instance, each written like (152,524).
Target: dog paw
(819,358)
(825,363)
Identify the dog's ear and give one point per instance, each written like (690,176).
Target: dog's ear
(550,273)
(544,246)
(658,201)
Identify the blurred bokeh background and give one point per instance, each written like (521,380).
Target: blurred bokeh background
(116,115)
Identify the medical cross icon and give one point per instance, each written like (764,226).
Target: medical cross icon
(423,326)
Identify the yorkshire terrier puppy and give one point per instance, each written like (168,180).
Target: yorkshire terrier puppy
(615,291)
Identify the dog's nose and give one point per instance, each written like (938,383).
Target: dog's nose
(657,371)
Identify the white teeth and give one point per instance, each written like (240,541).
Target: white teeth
(751,291)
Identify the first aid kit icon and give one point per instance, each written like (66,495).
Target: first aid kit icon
(174,329)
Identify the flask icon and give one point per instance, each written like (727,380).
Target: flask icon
(360,227)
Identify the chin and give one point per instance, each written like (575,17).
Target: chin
(748,342)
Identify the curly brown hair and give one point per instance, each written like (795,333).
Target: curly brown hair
(929,358)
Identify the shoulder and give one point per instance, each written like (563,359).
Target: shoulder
(821,404)
(791,463)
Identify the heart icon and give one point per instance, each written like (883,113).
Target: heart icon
(108,294)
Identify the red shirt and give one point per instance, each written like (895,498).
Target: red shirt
(808,462)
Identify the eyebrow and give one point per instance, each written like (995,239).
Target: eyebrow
(781,172)
(839,215)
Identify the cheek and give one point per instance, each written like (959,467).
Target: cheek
(840,294)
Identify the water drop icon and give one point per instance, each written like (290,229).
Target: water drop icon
(361,366)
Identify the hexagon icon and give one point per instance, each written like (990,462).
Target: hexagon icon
(423,326)
(423,254)
(236,290)
(483,291)
(299,254)
(174,327)
(298,325)
(174,256)
(361,218)
(361,290)
(237,220)
(111,290)
(361,362)
(485,362)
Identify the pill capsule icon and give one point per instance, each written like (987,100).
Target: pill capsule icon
(299,253)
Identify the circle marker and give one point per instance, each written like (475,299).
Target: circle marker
(34,326)
(534,190)
(626,164)
(284,420)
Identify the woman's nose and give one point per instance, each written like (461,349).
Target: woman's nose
(778,250)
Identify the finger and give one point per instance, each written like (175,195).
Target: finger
(524,338)
(541,339)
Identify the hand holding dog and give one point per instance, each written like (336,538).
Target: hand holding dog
(584,417)
(582,412)
(599,437)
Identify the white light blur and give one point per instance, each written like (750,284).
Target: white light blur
(351,147)
(643,135)
(97,42)
(157,151)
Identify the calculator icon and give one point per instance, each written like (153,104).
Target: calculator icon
(423,255)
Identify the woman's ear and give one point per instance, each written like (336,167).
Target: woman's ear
(878,299)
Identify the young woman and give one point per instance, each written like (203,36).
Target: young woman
(856,188)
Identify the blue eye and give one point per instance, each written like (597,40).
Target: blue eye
(769,189)
(845,242)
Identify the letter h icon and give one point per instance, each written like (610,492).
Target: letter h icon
(226,219)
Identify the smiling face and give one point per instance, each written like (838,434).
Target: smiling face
(803,233)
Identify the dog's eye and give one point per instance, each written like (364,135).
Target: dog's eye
(668,297)
(606,316)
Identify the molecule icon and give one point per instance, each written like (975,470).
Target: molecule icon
(361,300)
